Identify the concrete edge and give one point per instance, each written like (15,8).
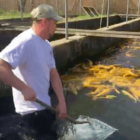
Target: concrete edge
(86,19)
(119,24)
(59,42)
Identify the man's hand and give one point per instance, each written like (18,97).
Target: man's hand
(62,111)
(28,94)
(57,86)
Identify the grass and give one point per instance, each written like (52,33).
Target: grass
(16,14)
(11,14)
(86,17)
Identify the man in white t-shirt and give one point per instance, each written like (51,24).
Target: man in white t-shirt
(28,65)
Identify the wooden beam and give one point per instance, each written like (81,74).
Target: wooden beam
(103,32)
(99,33)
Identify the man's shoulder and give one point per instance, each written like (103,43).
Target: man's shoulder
(23,38)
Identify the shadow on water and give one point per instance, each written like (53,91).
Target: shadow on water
(121,113)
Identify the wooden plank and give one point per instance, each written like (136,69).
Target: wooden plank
(100,34)
(93,10)
(76,30)
(103,32)
(88,12)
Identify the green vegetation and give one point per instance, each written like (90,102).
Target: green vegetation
(86,17)
(16,14)
(12,14)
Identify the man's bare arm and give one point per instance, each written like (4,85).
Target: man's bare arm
(8,77)
(57,86)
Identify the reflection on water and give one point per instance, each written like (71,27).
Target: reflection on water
(122,112)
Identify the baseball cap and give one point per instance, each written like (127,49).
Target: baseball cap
(45,11)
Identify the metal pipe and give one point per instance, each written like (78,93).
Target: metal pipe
(80,7)
(102,14)
(127,10)
(108,11)
(66,18)
(138,8)
(57,6)
(21,9)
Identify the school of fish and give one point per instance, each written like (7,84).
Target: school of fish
(105,80)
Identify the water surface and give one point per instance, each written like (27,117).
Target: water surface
(121,113)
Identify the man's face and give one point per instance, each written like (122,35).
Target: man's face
(52,27)
(49,28)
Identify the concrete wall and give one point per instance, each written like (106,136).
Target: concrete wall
(91,23)
(7,35)
(80,47)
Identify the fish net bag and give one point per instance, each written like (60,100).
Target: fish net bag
(94,130)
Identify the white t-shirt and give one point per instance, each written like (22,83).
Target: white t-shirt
(31,59)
